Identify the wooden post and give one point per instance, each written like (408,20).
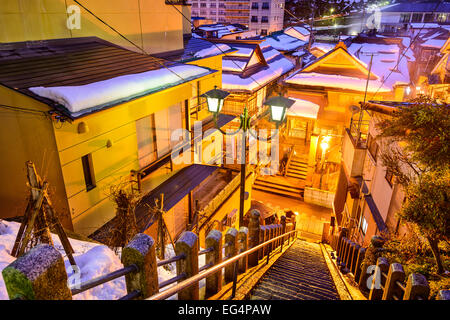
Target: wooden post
(354,258)
(39,274)
(253,237)
(283,227)
(416,286)
(187,244)
(395,274)
(214,281)
(376,290)
(443,295)
(262,238)
(141,252)
(230,251)
(361,254)
(243,246)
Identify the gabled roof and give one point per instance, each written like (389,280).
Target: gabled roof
(74,62)
(339,61)
(252,66)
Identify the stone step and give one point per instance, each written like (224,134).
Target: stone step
(301,273)
(284,193)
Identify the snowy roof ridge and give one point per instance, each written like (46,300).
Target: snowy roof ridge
(94,96)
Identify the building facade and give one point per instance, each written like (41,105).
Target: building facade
(263,17)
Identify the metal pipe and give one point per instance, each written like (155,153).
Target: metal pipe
(206,266)
(205,251)
(172,280)
(170,260)
(103,279)
(131,295)
(188,282)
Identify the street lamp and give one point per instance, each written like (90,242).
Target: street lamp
(278,106)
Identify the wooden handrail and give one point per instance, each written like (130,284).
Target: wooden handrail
(192,280)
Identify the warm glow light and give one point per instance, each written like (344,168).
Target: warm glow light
(277,113)
(324,144)
(213,105)
(296,213)
(408,90)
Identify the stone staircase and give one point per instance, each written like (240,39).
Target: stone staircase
(279,186)
(301,273)
(297,168)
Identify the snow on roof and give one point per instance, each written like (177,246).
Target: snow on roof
(276,68)
(336,81)
(243,51)
(283,42)
(323,46)
(384,61)
(219,48)
(303,108)
(233,65)
(434,43)
(80,98)
(298,32)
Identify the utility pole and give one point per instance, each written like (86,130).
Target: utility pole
(365,92)
(311,24)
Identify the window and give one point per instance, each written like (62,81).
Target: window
(442,17)
(202,5)
(255,5)
(389,177)
(212,5)
(372,146)
(265,6)
(88,172)
(405,17)
(212,12)
(254,19)
(221,5)
(417,17)
(364,225)
(265,19)
(154,134)
(145,134)
(195,5)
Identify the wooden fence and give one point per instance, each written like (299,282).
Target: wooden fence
(40,273)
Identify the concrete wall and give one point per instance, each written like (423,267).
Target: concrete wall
(150,24)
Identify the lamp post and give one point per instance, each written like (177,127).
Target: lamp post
(278,106)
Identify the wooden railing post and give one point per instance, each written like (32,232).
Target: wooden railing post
(214,281)
(187,244)
(395,274)
(378,282)
(253,237)
(39,274)
(359,260)
(141,252)
(283,227)
(416,286)
(354,260)
(262,238)
(243,246)
(342,234)
(230,251)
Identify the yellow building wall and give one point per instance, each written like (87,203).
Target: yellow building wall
(27,136)
(111,165)
(151,24)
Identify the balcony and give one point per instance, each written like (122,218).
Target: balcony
(230,7)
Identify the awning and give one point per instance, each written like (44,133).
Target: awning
(174,189)
(303,108)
